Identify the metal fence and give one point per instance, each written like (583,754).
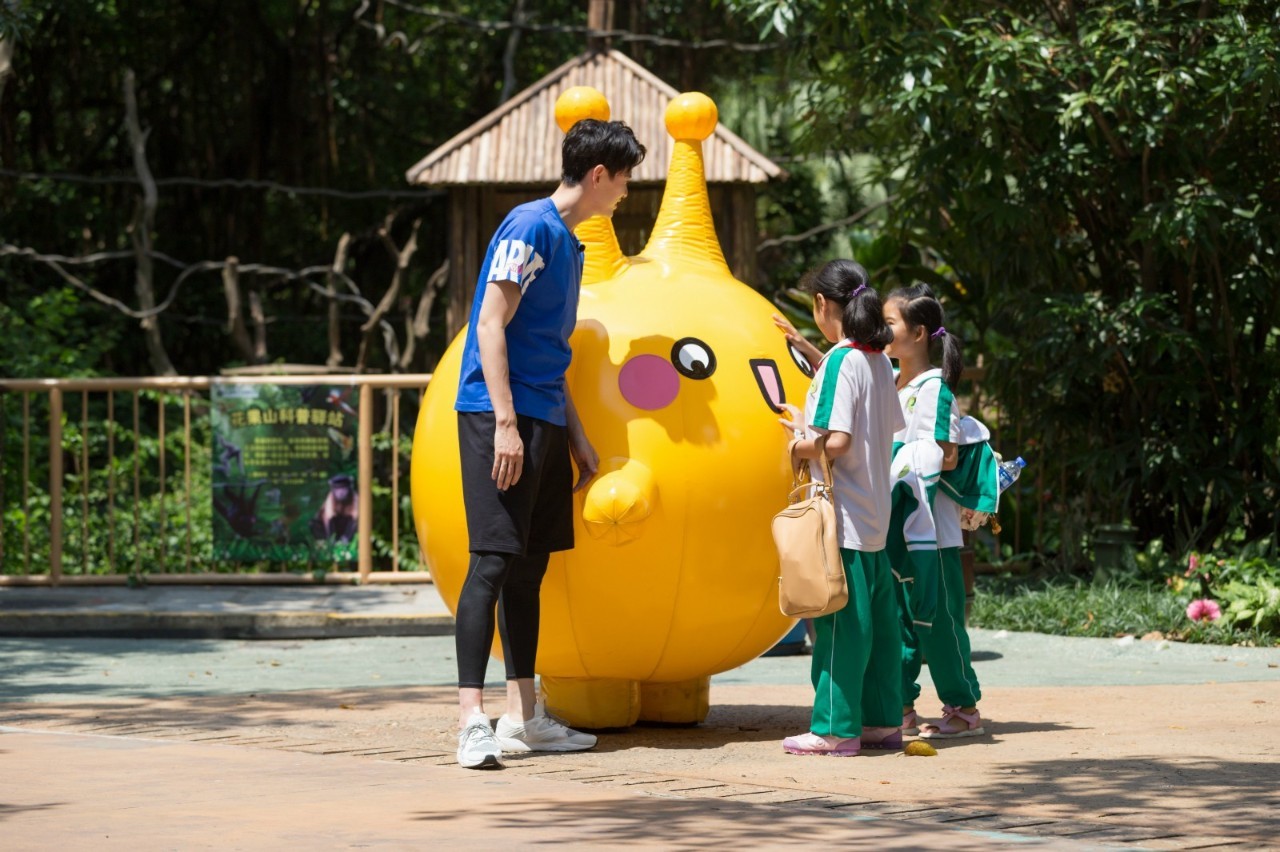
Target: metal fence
(60,510)
(46,405)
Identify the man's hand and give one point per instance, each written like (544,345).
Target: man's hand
(585,457)
(508,456)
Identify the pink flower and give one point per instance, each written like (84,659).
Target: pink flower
(1203,609)
(1193,562)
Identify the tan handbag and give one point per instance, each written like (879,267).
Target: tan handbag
(811,579)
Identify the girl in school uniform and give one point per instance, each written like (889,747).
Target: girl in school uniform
(851,414)
(925,536)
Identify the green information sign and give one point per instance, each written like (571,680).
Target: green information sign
(284,473)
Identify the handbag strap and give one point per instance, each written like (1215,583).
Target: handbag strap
(828,480)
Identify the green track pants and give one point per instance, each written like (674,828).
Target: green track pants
(857,653)
(946,646)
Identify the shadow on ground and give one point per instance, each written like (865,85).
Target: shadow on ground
(1241,794)
(289,712)
(677,824)
(7,811)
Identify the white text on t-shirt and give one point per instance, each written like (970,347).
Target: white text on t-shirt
(514,260)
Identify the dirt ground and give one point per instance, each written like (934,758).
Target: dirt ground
(1201,760)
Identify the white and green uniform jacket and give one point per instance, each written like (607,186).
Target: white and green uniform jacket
(974,482)
(931,416)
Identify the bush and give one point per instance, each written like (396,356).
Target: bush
(1246,586)
(1157,597)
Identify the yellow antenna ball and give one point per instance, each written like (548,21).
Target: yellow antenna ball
(578,103)
(692,115)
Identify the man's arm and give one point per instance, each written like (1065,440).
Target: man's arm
(501,298)
(584,455)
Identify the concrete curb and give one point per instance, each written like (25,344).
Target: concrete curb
(218,625)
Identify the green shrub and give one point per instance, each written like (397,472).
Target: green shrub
(1072,607)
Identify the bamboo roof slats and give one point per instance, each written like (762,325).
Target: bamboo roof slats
(519,143)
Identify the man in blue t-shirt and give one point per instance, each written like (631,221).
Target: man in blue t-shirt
(518,429)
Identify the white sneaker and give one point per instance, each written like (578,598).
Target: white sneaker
(541,733)
(477,746)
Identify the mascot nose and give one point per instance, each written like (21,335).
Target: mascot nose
(619,501)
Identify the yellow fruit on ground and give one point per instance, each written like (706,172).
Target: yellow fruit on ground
(920,748)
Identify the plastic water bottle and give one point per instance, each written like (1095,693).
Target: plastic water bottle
(1008,472)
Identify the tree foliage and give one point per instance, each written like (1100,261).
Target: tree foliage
(306,93)
(1093,188)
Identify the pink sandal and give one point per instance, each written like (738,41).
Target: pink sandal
(954,724)
(885,738)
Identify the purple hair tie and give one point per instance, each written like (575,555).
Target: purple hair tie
(941,332)
(857,290)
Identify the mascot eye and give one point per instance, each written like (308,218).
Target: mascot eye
(801,361)
(693,358)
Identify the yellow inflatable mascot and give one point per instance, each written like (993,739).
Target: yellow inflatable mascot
(677,375)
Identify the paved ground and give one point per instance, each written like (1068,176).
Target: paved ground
(225,612)
(184,743)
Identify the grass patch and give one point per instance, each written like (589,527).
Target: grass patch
(1072,607)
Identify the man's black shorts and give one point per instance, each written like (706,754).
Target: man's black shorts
(536,514)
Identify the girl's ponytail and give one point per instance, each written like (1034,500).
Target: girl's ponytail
(920,308)
(862,320)
(862,313)
(952,359)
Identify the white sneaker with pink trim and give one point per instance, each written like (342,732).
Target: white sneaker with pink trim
(541,733)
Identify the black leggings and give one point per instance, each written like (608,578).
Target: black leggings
(512,583)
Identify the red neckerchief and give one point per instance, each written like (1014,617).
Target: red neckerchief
(853,344)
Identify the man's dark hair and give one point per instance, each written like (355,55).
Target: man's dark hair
(591,143)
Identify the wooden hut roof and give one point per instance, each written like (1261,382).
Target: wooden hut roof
(519,142)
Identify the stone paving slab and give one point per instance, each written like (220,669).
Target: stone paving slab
(56,669)
(1087,776)
(95,792)
(1094,743)
(225,612)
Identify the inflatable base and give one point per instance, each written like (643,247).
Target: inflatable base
(595,704)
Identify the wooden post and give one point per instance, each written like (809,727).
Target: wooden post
(395,478)
(462,274)
(186,465)
(55,485)
(26,481)
(163,565)
(364,481)
(84,482)
(600,18)
(111,481)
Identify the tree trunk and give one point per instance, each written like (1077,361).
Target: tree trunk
(259,328)
(143,222)
(235,313)
(509,54)
(419,326)
(6,53)
(335,307)
(403,256)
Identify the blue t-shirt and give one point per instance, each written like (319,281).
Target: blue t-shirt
(535,248)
